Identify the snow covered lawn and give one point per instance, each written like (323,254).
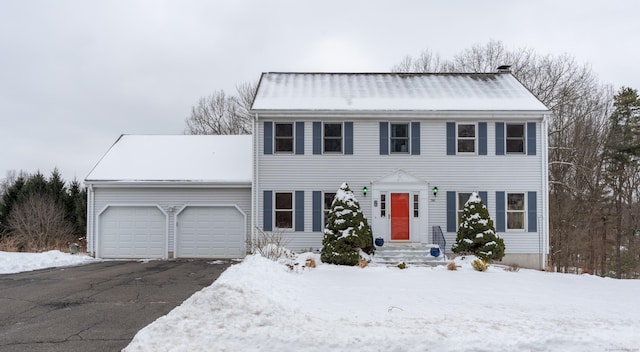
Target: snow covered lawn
(12,262)
(260,305)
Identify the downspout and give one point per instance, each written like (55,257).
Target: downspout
(90,221)
(545,190)
(254,184)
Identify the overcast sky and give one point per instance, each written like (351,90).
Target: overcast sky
(75,75)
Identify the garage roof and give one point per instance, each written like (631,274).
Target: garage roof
(282,91)
(177,158)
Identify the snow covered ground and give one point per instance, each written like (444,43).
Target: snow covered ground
(260,305)
(12,262)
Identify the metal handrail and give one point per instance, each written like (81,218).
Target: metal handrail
(437,237)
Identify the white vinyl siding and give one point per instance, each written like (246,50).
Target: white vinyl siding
(311,173)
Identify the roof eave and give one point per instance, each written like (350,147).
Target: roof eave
(168,183)
(369,113)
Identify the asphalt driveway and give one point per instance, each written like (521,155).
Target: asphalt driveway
(95,307)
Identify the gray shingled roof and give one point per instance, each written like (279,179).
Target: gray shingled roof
(393,91)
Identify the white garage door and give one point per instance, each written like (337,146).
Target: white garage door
(210,232)
(132,232)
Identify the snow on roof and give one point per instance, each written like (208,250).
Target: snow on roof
(394,91)
(194,158)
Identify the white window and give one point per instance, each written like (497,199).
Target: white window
(332,138)
(515,138)
(328,199)
(383,205)
(284,210)
(284,137)
(515,211)
(462,200)
(416,205)
(466,138)
(399,138)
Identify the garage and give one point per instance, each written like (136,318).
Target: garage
(163,196)
(210,232)
(132,232)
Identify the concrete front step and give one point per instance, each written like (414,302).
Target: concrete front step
(409,253)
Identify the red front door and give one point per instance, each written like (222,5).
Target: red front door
(399,216)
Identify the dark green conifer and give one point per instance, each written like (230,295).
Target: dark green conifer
(347,231)
(476,234)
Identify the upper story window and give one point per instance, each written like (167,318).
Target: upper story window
(400,138)
(328,199)
(515,211)
(466,138)
(284,210)
(515,138)
(284,137)
(332,137)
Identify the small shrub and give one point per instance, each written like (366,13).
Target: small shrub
(270,245)
(402,265)
(513,268)
(480,265)
(452,266)
(9,244)
(310,263)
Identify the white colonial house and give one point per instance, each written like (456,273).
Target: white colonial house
(411,146)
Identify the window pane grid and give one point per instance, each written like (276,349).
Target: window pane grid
(383,205)
(416,212)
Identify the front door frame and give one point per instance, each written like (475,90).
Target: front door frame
(400,181)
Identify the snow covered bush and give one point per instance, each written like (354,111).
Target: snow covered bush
(347,230)
(476,234)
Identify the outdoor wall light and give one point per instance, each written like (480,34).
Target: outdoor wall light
(365,190)
(435,192)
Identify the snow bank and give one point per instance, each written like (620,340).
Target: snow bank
(260,305)
(12,262)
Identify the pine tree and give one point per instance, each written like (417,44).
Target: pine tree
(621,158)
(476,234)
(347,230)
(9,198)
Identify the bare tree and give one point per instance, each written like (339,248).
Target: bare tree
(220,113)
(38,223)
(580,105)
(428,61)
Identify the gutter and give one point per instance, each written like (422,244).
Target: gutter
(403,113)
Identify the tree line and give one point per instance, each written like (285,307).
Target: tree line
(39,213)
(594,138)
